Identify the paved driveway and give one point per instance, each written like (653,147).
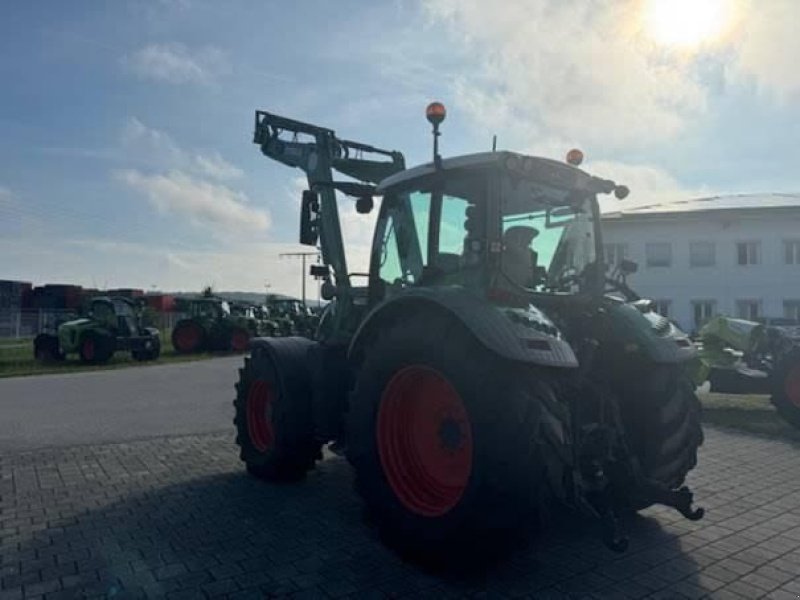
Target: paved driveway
(117,405)
(178,517)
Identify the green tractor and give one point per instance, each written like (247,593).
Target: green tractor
(489,370)
(291,317)
(111,324)
(738,356)
(211,325)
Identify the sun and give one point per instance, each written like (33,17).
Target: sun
(687,24)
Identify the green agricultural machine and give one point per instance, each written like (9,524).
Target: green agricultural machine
(210,325)
(291,317)
(745,357)
(111,324)
(489,370)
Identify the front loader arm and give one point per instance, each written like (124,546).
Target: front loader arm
(318,152)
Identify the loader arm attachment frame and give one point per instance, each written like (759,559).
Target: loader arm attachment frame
(318,153)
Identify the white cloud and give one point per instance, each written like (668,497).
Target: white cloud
(768,48)
(576,68)
(215,206)
(592,72)
(142,142)
(157,148)
(217,167)
(178,64)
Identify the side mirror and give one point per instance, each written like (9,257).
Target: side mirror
(364,205)
(309,230)
(628,267)
(621,192)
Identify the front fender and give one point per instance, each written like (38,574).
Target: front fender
(647,333)
(524,335)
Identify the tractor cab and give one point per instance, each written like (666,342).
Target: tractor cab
(484,362)
(117,314)
(500,223)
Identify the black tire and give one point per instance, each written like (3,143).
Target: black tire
(239,340)
(291,451)
(663,427)
(46,348)
(786,388)
(502,405)
(96,348)
(155,351)
(148,354)
(188,337)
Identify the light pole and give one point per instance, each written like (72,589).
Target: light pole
(302,256)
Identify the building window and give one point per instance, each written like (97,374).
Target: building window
(748,309)
(702,254)
(658,254)
(747,253)
(791,252)
(662,307)
(703,311)
(615,253)
(791,309)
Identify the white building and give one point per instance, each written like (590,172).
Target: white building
(735,255)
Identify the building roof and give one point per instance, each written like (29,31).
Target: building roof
(734,202)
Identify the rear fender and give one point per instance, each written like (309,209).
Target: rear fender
(524,335)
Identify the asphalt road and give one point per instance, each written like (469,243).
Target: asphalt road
(117,405)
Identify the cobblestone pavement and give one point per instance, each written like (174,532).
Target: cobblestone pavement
(178,517)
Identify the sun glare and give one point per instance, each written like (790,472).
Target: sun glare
(686,24)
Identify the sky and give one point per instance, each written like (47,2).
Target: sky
(126,154)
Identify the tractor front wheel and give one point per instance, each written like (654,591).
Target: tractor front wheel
(444,440)
(95,348)
(786,388)
(274,421)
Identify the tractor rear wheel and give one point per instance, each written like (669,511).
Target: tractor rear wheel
(444,439)
(46,348)
(274,421)
(188,337)
(663,427)
(786,388)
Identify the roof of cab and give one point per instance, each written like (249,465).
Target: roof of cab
(480,159)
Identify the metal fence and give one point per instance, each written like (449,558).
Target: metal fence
(16,323)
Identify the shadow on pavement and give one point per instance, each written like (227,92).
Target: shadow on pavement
(229,534)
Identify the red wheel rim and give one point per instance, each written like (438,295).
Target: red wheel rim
(792,385)
(259,415)
(239,341)
(187,337)
(424,441)
(88,349)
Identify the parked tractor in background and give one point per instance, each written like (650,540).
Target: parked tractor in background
(291,317)
(738,356)
(211,326)
(111,324)
(486,370)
